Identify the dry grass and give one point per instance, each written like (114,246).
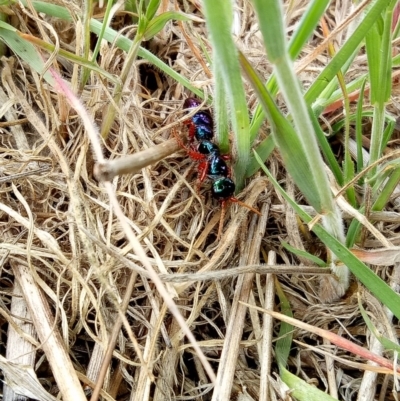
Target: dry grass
(65,252)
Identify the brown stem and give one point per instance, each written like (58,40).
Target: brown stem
(131,164)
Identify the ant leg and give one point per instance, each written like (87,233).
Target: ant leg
(224,205)
(193,154)
(192,129)
(203,168)
(244,205)
(179,140)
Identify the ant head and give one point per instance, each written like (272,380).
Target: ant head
(223,189)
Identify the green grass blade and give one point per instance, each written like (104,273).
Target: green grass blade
(360,158)
(346,51)
(158,23)
(285,138)
(337,127)
(219,16)
(303,31)
(121,42)
(124,44)
(387,134)
(322,104)
(131,56)
(221,112)
(381,81)
(301,390)
(105,23)
(326,149)
(25,50)
(67,55)
(50,9)
(273,32)
(272,28)
(387,190)
(373,48)
(367,277)
(386,55)
(306,26)
(285,337)
(298,252)
(353,231)
(87,14)
(264,149)
(378,123)
(152,8)
(388,344)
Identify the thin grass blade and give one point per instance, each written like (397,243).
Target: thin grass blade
(285,337)
(301,390)
(374,283)
(219,16)
(388,344)
(298,252)
(345,51)
(285,137)
(25,50)
(303,31)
